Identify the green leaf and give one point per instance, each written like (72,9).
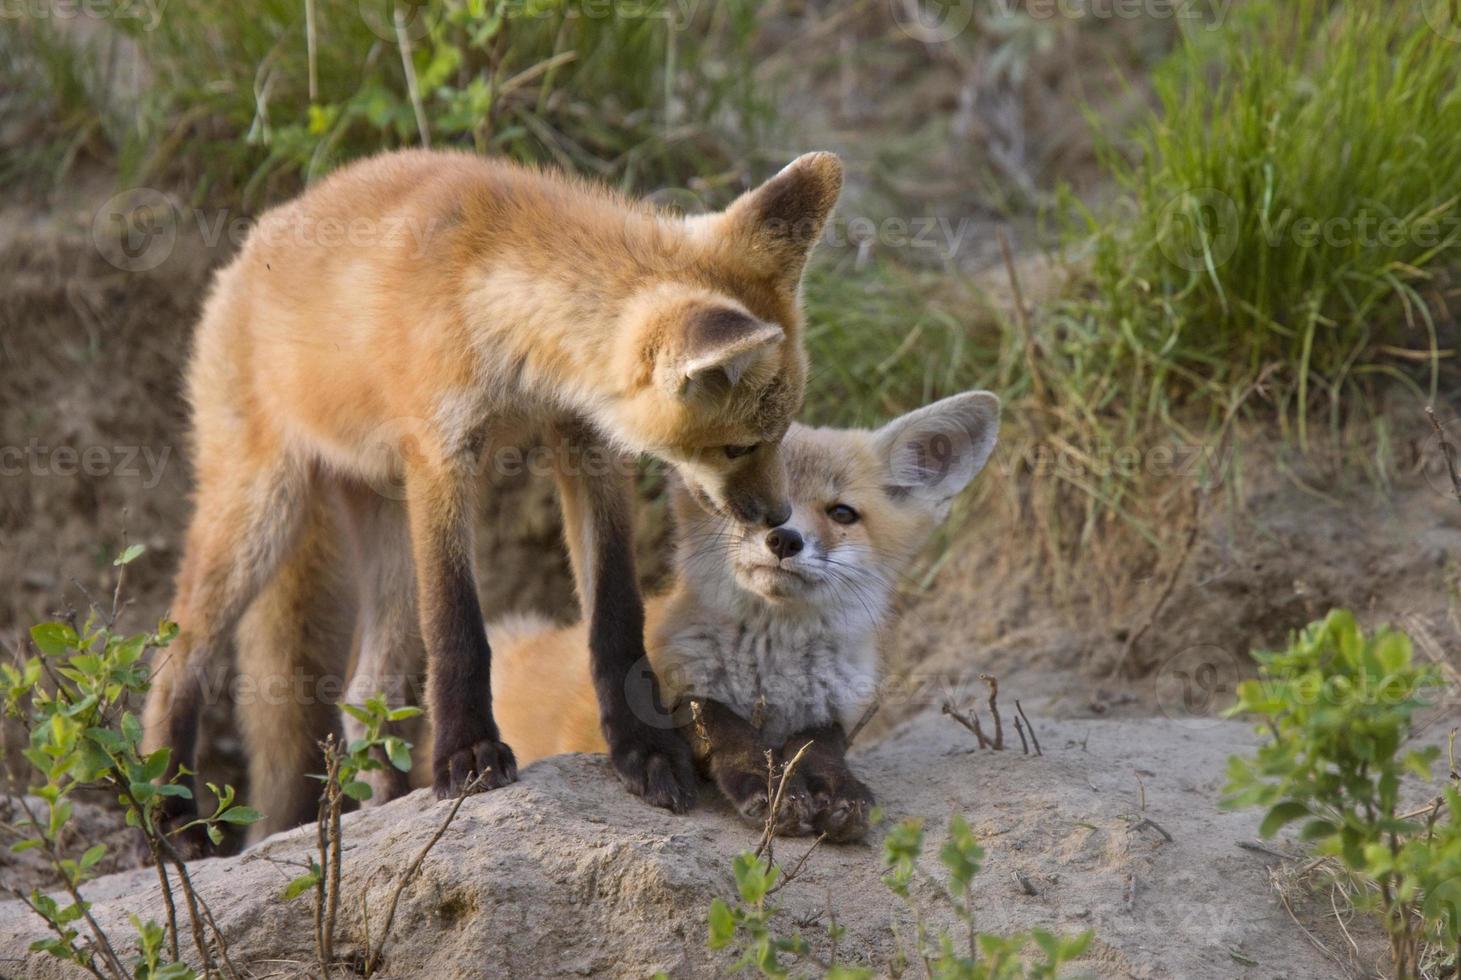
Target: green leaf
(1047,942)
(54,639)
(1076,947)
(131,554)
(93,854)
(1316,829)
(156,764)
(356,790)
(300,885)
(722,924)
(399,751)
(131,728)
(241,815)
(1284,813)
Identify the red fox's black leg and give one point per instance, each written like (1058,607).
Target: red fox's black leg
(734,753)
(647,750)
(458,657)
(840,800)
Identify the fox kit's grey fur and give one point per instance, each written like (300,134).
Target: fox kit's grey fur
(775,634)
(784,666)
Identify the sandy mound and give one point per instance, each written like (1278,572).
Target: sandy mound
(566,874)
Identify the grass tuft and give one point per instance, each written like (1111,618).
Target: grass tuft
(1292,202)
(259,97)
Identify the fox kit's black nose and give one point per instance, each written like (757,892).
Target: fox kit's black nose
(777,516)
(783,542)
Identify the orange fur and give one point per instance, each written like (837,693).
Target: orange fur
(411,312)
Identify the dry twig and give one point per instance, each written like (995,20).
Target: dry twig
(1448,452)
(776,781)
(970,723)
(867,716)
(1020,710)
(1022,317)
(373,957)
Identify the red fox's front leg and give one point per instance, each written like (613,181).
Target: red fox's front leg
(458,659)
(645,746)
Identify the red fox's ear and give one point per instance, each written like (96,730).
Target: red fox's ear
(718,346)
(935,451)
(775,225)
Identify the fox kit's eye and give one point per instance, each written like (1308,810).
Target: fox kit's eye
(736,452)
(843,514)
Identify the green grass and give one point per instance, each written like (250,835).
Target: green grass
(884,340)
(1288,204)
(243,103)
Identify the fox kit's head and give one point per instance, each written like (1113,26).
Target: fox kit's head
(863,504)
(712,361)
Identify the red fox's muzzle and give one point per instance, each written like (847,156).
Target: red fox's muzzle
(750,490)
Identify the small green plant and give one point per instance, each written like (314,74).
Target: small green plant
(342,781)
(73,699)
(750,922)
(1338,707)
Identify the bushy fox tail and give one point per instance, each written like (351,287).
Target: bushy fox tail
(542,691)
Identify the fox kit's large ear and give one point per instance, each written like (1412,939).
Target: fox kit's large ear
(935,451)
(719,345)
(774,226)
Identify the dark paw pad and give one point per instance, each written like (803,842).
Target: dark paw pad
(456,770)
(657,767)
(747,790)
(843,814)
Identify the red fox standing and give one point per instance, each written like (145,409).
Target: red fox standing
(773,635)
(452,303)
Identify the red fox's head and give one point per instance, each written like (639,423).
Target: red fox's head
(712,357)
(863,505)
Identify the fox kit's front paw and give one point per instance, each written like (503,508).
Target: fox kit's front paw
(747,791)
(841,804)
(654,764)
(457,762)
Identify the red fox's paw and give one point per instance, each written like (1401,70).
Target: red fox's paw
(842,810)
(655,765)
(453,770)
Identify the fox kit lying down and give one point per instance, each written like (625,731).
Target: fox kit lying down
(411,313)
(772,634)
